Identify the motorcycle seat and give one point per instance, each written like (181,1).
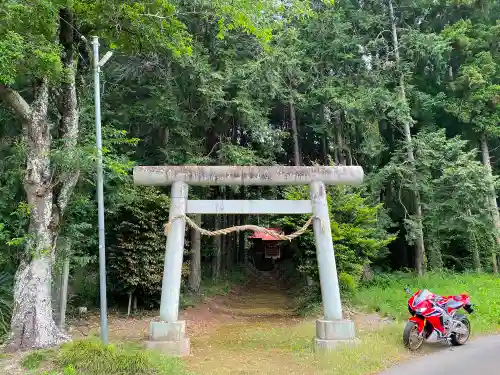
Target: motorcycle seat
(449,303)
(453,304)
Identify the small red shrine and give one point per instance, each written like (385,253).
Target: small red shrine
(269,244)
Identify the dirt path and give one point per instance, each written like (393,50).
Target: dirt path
(247,341)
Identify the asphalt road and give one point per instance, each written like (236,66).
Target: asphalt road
(479,356)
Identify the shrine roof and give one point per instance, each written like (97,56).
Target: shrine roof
(264,236)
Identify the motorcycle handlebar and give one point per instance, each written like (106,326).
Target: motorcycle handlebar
(407,290)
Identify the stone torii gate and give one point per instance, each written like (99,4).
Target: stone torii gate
(168,333)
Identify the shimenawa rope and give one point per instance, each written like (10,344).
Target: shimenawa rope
(240,228)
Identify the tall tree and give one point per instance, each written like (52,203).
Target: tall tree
(406,121)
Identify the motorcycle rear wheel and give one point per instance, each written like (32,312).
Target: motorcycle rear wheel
(411,339)
(461,339)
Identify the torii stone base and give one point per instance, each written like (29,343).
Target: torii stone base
(169,338)
(333,333)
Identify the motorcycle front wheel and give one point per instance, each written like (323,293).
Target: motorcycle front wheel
(411,339)
(458,339)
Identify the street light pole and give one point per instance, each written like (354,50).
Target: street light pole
(100,187)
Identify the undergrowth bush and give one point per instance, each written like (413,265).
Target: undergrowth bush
(84,286)
(135,255)
(308,298)
(360,236)
(91,357)
(6,289)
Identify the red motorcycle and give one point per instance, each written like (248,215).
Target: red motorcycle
(435,316)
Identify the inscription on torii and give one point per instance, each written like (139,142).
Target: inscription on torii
(250,175)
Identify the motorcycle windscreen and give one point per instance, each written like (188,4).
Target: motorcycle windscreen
(423,295)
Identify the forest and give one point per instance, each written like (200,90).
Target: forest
(407,89)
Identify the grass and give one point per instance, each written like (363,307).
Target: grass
(273,348)
(377,350)
(34,360)
(90,357)
(386,296)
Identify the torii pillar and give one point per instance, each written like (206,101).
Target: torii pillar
(168,333)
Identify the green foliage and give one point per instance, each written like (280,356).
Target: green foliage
(136,256)
(475,89)
(6,290)
(155,23)
(68,370)
(451,184)
(14,210)
(11,50)
(84,286)
(359,236)
(28,52)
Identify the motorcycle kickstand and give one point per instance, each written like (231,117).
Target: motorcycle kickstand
(448,342)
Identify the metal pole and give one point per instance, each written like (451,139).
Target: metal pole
(100,194)
(64,293)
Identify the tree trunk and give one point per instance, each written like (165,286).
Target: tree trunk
(60,275)
(325,151)
(476,258)
(492,199)
(340,142)
(32,326)
(229,243)
(241,235)
(234,244)
(195,264)
(349,140)
(217,261)
(436,259)
(420,247)
(222,244)
(32,323)
(129,308)
(227,239)
(295,133)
